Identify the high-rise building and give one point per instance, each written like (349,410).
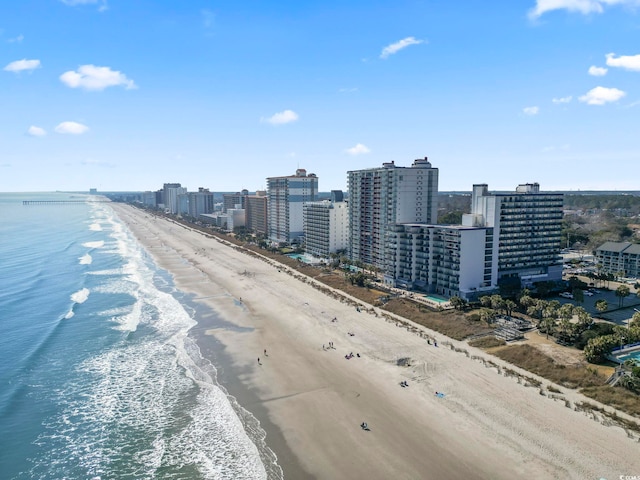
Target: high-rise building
(382,197)
(286,195)
(446,260)
(170,196)
(256,212)
(326,226)
(200,202)
(527,226)
(234,200)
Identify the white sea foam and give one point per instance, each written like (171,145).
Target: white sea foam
(69,314)
(80,296)
(139,391)
(86,259)
(96,244)
(95,227)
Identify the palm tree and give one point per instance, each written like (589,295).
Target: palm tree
(509,307)
(487,315)
(548,323)
(602,306)
(621,292)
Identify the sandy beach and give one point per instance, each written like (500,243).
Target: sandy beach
(313,399)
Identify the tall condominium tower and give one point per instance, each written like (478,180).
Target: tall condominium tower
(326,226)
(382,197)
(527,225)
(256,212)
(286,195)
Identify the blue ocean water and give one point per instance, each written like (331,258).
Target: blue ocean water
(99,378)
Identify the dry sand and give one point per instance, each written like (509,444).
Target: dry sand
(487,426)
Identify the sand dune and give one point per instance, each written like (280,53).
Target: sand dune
(486,426)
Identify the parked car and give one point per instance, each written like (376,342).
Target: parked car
(588,293)
(566,295)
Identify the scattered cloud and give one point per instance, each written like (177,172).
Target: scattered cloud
(17,39)
(348,90)
(396,47)
(72,128)
(597,71)
(36,131)
(628,62)
(531,111)
(562,99)
(72,3)
(602,95)
(22,65)
(580,6)
(280,118)
(358,149)
(91,77)
(208,18)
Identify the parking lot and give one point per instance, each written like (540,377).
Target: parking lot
(613,314)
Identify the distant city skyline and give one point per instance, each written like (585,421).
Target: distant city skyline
(121,95)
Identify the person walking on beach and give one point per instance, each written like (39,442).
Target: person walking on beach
(265,353)
(259,361)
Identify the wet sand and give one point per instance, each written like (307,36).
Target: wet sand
(312,400)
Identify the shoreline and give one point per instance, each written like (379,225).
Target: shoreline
(487,426)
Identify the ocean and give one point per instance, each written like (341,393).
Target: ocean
(99,376)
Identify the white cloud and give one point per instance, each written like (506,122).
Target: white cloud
(73,3)
(280,118)
(22,65)
(597,71)
(17,39)
(396,47)
(602,95)
(208,18)
(348,90)
(562,99)
(91,77)
(580,6)
(36,131)
(628,62)
(358,149)
(72,128)
(531,111)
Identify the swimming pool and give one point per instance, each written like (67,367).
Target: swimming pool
(436,299)
(633,355)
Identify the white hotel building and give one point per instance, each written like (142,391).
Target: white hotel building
(286,196)
(326,227)
(444,259)
(382,197)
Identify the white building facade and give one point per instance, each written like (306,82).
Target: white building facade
(446,260)
(326,227)
(527,227)
(286,197)
(382,197)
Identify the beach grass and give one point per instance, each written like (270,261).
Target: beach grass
(533,360)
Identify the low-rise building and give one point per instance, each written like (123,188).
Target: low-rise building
(619,258)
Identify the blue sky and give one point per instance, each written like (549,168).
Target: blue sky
(128,95)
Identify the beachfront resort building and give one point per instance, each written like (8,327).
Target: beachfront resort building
(382,197)
(170,192)
(526,226)
(619,258)
(200,202)
(234,200)
(441,259)
(286,196)
(326,226)
(256,212)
